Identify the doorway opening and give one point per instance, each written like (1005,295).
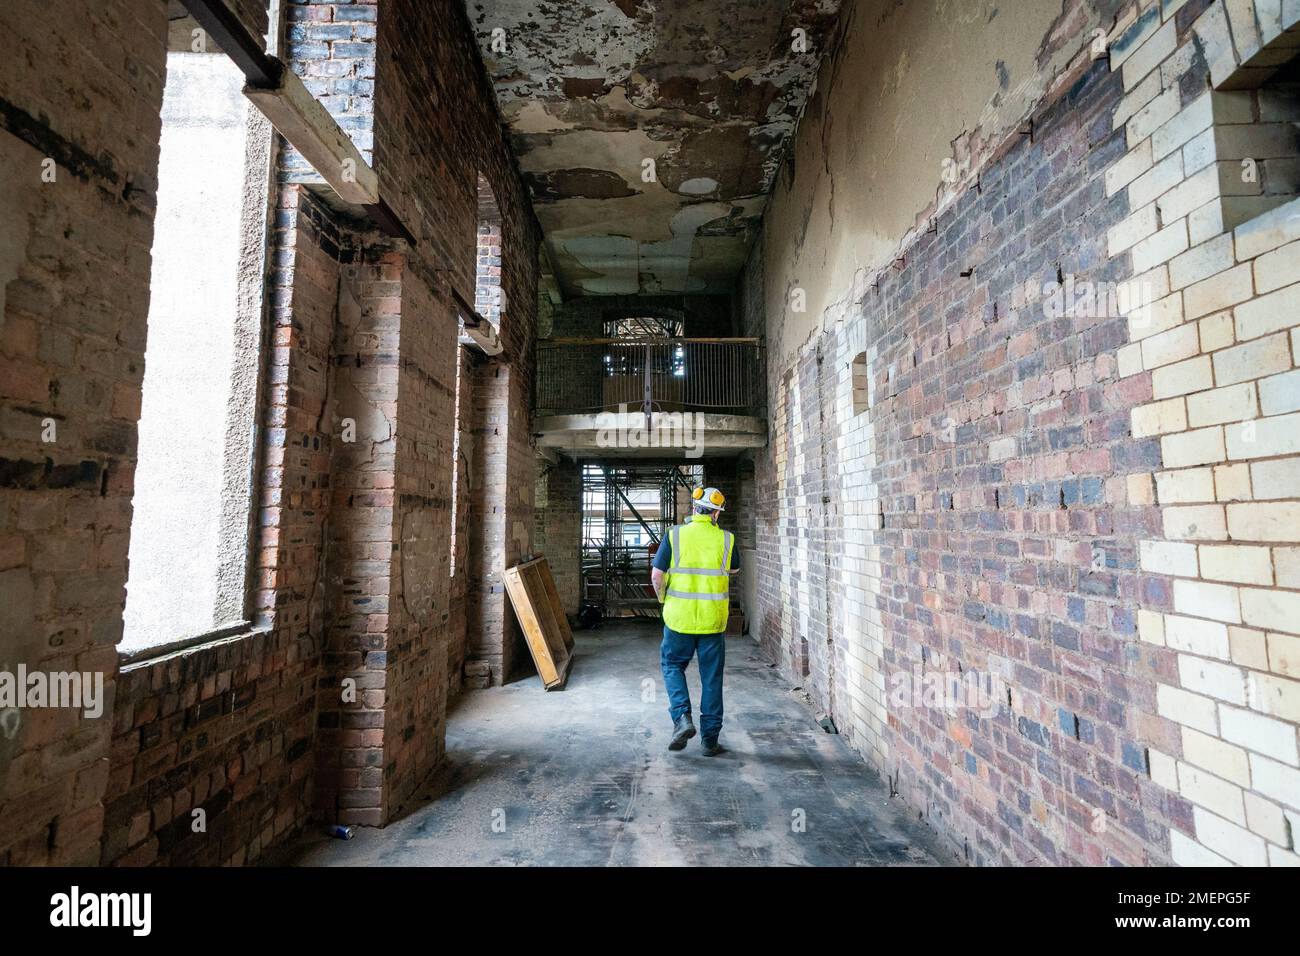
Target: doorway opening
(627,508)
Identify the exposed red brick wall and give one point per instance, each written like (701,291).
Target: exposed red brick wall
(419,636)
(363,394)
(331,46)
(445,132)
(438,161)
(238,728)
(295,475)
(558,533)
(487,272)
(1086,504)
(211,760)
(492,634)
(458,599)
(229,728)
(976,516)
(74,294)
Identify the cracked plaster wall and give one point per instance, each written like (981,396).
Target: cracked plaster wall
(868,165)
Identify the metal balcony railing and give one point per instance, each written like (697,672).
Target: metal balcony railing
(724,376)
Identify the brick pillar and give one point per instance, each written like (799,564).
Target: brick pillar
(363,389)
(558,526)
(390,529)
(460,579)
(501,496)
(485,650)
(420,631)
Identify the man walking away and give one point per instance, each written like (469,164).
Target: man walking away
(691,574)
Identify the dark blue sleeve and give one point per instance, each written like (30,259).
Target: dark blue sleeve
(735,557)
(664,556)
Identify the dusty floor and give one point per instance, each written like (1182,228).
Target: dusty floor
(583,777)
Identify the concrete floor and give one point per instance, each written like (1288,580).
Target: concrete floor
(583,777)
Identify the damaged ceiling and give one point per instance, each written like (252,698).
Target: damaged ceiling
(593,91)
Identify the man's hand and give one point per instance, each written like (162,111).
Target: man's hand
(660,582)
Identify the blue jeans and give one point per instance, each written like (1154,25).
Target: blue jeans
(675,655)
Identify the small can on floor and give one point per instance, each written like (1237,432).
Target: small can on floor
(342,832)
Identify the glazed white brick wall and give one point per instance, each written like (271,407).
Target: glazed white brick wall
(1207,259)
(1277,696)
(1193,448)
(1187,852)
(1216,331)
(1185,486)
(1159,418)
(1133,165)
(1188,122)
(1232,482)
(1286,565)
(1264,735)
(1134,229)
(1224,760)
(1168,557)
(1241,564)
(1160,314)
(1195,191)
(1284,654)
(1269,313)
(1280,393)
(1266,819)
(1247,647)
(1230,840)
(1150,54)
(1221,346)
(1268,231)
(1161,247)
(1182,378)
(1152,116)
(1218,292)
(1265,438)
(1276,780)
(1195,523)
(1275,269)
(1196,636)
(1263,521)
(1232,403)
(1156,181)
(1252,360)
(1207,790)
(1273,609)
(1171,346)
(1217,602)
(1191,710)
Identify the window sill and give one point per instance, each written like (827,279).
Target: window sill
(146,656)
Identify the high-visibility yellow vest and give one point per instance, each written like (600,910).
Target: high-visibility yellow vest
(696,600)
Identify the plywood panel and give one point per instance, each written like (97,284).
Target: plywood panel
(546,629)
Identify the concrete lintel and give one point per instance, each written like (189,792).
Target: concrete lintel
(308,126)
(482,337)
(710,421)
(614,435)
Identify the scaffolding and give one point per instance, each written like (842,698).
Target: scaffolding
(627,508)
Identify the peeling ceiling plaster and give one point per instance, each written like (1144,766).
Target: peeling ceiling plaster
(710,90)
